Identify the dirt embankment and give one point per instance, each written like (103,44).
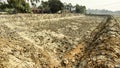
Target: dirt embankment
(103,48)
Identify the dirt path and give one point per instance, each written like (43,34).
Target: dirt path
(62,18)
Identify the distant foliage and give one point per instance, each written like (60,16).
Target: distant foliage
(68,7)
(15,6)
(19,5)
(51,6)
(3,6)
(44,7)
(55,5)
(80,9)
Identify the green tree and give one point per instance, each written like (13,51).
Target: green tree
(13,6)
(77,8)
(19,6)
(45,7)
(80,9)
(3,6)
(69,7)
(55,5)
(83,9)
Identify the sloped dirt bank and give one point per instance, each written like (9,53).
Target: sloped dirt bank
(103,48)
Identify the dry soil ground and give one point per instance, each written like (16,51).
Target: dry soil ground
(59,41)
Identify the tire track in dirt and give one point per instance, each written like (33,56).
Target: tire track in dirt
(57,19)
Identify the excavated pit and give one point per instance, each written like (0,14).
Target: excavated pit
(58,41)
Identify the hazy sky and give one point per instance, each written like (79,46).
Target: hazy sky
(113,5)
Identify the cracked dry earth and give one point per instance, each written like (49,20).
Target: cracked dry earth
(57,41)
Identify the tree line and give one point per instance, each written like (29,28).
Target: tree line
(50,6)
